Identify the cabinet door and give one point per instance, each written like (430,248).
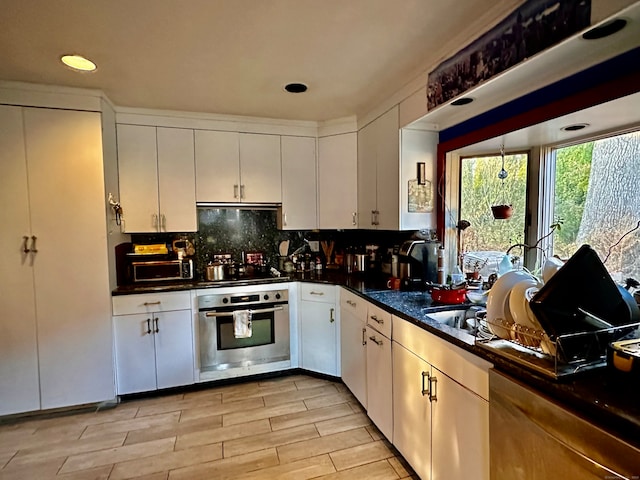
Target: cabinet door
(367,176)
(379,378)
(260,168)
(174,348)
(74,314)
(217,166)
(135,353)
(138,177)
(412,410)
(338,181)
(19,387)
(318,342)
(460,431)
(353,347)
(176,180)
(388,171)
(299,199)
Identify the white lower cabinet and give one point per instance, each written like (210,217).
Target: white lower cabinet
(441,423)
(379,382)
(154,349)
(353,344)
(319,337)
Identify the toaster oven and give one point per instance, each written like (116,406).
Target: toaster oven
(162,270)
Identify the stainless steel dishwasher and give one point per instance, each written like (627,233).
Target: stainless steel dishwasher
(533,438)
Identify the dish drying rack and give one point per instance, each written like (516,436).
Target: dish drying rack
(562,357)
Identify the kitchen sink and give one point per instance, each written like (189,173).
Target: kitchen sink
(452,318)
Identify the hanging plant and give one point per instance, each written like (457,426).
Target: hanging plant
(503,210)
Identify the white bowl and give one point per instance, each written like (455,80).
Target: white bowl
(479,297)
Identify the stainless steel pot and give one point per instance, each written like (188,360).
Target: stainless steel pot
(360,264)
(214,271)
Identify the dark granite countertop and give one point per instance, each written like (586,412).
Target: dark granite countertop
(601,396)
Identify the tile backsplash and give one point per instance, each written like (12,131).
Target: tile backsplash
(237,230)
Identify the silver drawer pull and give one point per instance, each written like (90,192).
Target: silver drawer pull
(377,342)
(316,293)
(349,302)
(375,319)
(147,304)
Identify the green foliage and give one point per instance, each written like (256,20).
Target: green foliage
(573,166)
(481,188)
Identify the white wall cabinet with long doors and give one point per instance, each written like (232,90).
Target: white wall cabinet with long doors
(353,344)
(379,173)
(157,179)
(55,335)
(338,181)
(440,406)
(319,329)
(153,341)
(235,167)
(299,199)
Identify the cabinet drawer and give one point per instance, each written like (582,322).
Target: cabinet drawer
(318,292)
(151,302)
(350,302)
(379,320)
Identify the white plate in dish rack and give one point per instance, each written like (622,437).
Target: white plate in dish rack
(499,316)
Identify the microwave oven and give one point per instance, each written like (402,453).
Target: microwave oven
(162,270)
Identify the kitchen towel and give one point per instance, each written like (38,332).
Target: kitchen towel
(242,323)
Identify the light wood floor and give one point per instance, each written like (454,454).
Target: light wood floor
(294,427)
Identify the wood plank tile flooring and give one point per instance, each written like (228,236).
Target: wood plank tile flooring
(292,427)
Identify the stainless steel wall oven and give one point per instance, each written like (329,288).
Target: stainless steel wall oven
(269,342)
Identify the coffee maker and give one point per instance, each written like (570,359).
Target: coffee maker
(417,264)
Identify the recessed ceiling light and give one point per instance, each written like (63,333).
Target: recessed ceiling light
(462,101)
(606,29)
(78,63)
(296,88)
(575,127)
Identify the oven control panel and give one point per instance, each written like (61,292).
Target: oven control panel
(206,302)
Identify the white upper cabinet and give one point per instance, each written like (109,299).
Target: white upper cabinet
(299,205)
(237,167)
(379,173)
(157,179)
(217,166)
(338,181)
(260,168)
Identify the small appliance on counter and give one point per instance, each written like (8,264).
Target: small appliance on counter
(137,263)
(417,263)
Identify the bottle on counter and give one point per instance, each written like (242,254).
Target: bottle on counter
(442,274)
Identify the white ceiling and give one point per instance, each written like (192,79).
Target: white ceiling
(235,56)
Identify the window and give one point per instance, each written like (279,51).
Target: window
(596,196)
(480,188)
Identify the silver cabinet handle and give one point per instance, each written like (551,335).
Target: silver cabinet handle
(331,317)
(33,244)
(373,217)
(425,391)
(163,223)
(433,389)
(241,191)
(25,244)
(353,219)
(284,219)
(375,319)
(315,293)
(377,342)
(155,322)
(235,191)
(353,304)
(154,221)
(148,326)
(364,337)
(147,304)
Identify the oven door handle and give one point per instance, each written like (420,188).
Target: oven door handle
(253,312)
